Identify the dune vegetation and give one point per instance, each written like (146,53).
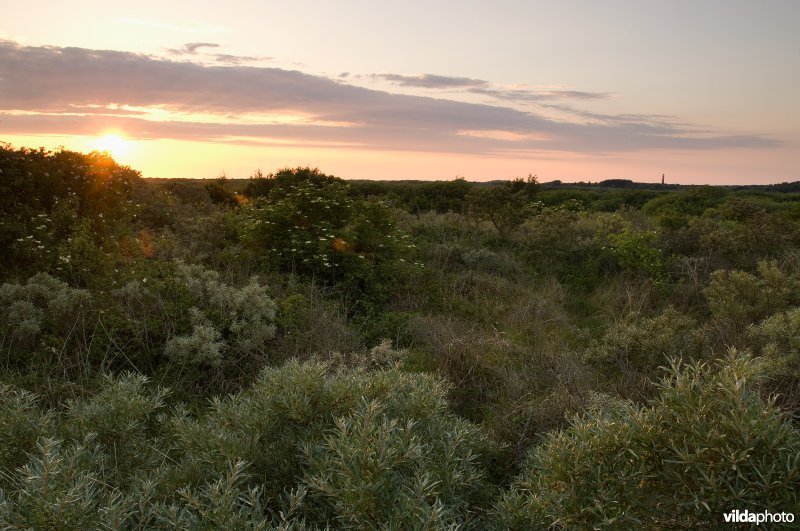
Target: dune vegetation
(297,351)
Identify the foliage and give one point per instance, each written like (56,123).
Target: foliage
(193,318)
(777,338)
(44,321)
(46,198)
(738,299)
(504,205)
(631,351)
(403,359)
(309,225)
(221,195)
(121,420)
(636,250)
(706,444)
(21,423)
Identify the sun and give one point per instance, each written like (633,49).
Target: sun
(114,144)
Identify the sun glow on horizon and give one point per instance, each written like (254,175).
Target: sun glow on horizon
(114,144)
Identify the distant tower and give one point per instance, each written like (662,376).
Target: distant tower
(662,178)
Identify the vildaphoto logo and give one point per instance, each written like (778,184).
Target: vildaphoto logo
(764,517)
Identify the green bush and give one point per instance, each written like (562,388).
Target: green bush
(631,351)
(738,299)
(21,423)
(47,198)
(777,339)
(504,205)
(59,488)
(186,315)
(296,421)
(636,250)
(309,225)
(122,419)
(45,323)
(706,445)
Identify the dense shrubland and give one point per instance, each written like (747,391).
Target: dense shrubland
(297,351)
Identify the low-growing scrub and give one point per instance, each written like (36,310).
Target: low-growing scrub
(300,352)
(706,444)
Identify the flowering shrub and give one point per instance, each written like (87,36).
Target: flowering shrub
(309,225)
(46,197)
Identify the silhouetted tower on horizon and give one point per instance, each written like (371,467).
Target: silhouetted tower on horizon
(662,178)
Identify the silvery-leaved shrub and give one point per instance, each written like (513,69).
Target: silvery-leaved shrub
(738,299)
(47,317)
(204,346)
(629,354)
(377,470)
(226,321)
(225,503)
(706,445)
(122,416)
(777,339)
(303,425)
(185,315)
(61,487)
(21,424)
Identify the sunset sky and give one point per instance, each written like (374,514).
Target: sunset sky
(702,91)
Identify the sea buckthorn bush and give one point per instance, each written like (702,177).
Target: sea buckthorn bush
(777,339)
(306,443)
(738,299)
(632,350)
(705,444)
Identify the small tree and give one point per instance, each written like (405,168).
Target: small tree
(504,205)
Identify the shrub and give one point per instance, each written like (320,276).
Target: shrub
(59,488)
(777,338)
(708,443)
(45,321)
(505,205)
(296,422)
(21,423)
(188,315)
(636,250)
(738,299)
(377,470)
(309,225)
(122,418)
(47,197)
(631,351)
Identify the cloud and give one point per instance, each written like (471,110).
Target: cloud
(53,90)
(431,81)
(191,48)
(522,95)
